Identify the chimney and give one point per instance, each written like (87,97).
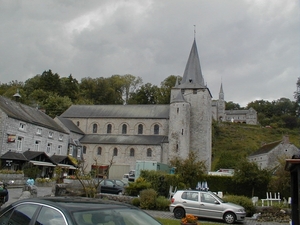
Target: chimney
(285,139)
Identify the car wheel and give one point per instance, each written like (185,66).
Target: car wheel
(120,193)
(229,217)
(179,213)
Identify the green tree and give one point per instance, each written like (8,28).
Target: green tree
(248,174)
(130,84)
(69,87)
(146,94)
(50,81)
(165,89)
(190,169)
(232,106)
(56,105)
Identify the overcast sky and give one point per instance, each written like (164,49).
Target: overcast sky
(251,46)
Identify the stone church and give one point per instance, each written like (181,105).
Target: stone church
(126,133)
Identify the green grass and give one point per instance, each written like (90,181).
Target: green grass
(177,222)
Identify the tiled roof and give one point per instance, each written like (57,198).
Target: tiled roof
(28,114)
(117,111)
(124,139)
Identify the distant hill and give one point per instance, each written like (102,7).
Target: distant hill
(232,142)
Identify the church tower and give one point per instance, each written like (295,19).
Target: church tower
(190,114)
(221,105)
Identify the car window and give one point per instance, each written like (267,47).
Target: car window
(193,196)
(205,197)
(109,183)
(21,215)
(50,216)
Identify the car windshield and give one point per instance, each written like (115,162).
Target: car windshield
(114,217)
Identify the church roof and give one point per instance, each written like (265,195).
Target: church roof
(28,114)
(124,139)
(178,98)
(117,111)
(192,77)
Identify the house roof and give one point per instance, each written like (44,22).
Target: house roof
(28,114)
(32,155)
(70,125)
(117,111)
(266,148)
(124,139)
(14,156)
(238,112)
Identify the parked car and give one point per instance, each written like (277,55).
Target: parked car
(110,187)
(205,204)
(120,182)
(131,175)
(73,211)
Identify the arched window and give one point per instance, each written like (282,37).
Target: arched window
(84,150)
(99,151)
(109,128)
(156,129)
(95,127)
(132,152)
(124,129)
(140,129)
(149,152)
(115,151)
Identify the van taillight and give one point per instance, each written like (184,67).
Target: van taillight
(172,200)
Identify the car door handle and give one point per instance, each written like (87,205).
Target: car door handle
(202,204)
(184,202)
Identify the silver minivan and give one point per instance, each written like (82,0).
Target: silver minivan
(205,204)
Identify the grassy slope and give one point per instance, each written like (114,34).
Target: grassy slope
(246,139)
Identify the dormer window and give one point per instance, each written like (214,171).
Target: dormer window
(22,126)
(60,137)
(50,135)
(39,131)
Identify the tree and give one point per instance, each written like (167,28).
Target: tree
(165,89)
(50,82)
(131,83)
(190,170)
(69,87)
(232,106)
(56,105)
(147,94)
(248,173)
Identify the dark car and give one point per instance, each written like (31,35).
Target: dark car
(73,211)
(110,187)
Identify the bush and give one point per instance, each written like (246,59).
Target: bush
(243,201)
(148,199)
(162,203)
(134,188)
(136,202)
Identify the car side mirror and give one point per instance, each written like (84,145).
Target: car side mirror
(217,203)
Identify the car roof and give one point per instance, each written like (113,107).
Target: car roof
(75,203)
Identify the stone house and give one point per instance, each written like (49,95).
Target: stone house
(268,154)
(24,128)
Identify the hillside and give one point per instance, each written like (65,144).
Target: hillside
(232,142)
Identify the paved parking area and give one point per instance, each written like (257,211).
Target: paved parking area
(15,194)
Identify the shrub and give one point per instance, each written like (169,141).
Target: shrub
(148,199)
(162,203)
(134,188)
(136,202)
(243,201)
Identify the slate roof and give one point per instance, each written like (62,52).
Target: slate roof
(266,148)
(118,111)
(237,112)
(14,156)
(32,155)
(70,125)
(28,114)
(124,139)
(192,77)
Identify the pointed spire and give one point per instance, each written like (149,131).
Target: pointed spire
(178,98)
(221,89)
(192,76)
